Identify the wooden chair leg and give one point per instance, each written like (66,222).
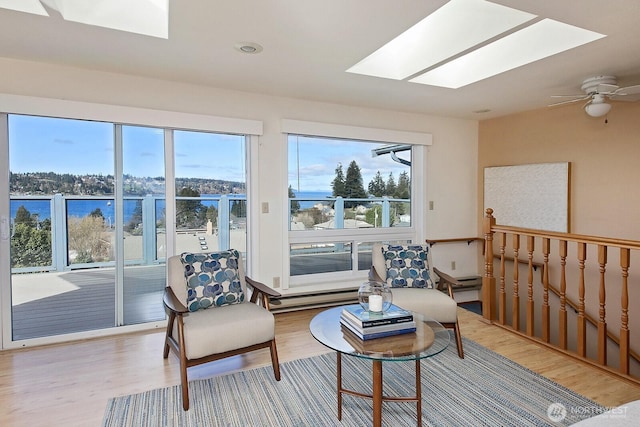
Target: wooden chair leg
(456,328)
(274,359)
(172,318)
(184,382)
(184,385)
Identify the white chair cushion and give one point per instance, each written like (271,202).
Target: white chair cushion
(242,325)
(431,303)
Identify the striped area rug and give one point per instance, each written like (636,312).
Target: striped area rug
(483,389)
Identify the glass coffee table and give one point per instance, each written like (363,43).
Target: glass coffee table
(429,339)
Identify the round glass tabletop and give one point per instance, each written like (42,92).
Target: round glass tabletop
(429,339)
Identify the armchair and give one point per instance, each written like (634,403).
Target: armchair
(430,302)
(211,315)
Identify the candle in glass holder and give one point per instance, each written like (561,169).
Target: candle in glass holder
(375,303)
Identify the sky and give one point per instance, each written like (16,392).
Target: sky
(313,162)
(43,144)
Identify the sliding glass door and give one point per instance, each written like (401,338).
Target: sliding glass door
(61,186)
(86,228)
(86,225)
(142,224)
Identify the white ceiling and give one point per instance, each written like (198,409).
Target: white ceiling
(309,45)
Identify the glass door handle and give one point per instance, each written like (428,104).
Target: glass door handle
(4,228)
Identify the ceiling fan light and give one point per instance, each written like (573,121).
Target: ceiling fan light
(598,109)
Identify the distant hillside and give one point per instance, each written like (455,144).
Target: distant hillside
(46,183)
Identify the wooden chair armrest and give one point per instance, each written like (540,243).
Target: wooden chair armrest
(260,290)
(446,280)
(373,275)
(172,302)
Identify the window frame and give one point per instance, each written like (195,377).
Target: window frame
(321,282)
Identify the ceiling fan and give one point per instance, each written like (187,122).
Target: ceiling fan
(597,90)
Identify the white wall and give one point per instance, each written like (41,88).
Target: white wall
(451,160)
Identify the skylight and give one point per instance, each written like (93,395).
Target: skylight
(147,17)
(28,6)
(540,40)
(454,28)
(431,49)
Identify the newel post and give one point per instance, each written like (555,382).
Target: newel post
(488,281)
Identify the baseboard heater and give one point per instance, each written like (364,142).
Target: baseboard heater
(350,296)
(306,301)
(469,282)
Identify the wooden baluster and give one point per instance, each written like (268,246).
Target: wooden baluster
(502,298)
(562,321)
(515,310)
(582,321)
(530,306)
(488,281)
(602,323)
(624,320)
(546,321)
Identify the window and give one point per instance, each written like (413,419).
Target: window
(211,191)
(344,196)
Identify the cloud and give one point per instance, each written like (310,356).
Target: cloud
(195,166)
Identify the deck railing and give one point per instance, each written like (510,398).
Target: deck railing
(575,304)
(58,209)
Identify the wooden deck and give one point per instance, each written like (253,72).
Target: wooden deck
(84,300)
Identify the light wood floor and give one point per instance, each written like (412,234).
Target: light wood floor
(69,384)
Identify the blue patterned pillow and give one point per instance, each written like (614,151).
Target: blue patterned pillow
(407,266)
(212,279)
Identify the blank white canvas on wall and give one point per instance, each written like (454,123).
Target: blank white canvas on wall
(530,196)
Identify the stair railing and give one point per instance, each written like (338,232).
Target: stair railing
(582,291)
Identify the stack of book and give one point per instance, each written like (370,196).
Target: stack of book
(367,325)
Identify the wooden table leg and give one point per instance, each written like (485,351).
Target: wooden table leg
(377,393)
(339,378)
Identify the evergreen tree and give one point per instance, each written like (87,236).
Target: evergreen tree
(354,189)
(97,213)
(391,186)
(212,215)
(295,205)
(239,208)
(374,216)
(30,247)
(188,212)
(30,242)
(403,190)
(136,219)
(376,186)
(23,216)
(338,184)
